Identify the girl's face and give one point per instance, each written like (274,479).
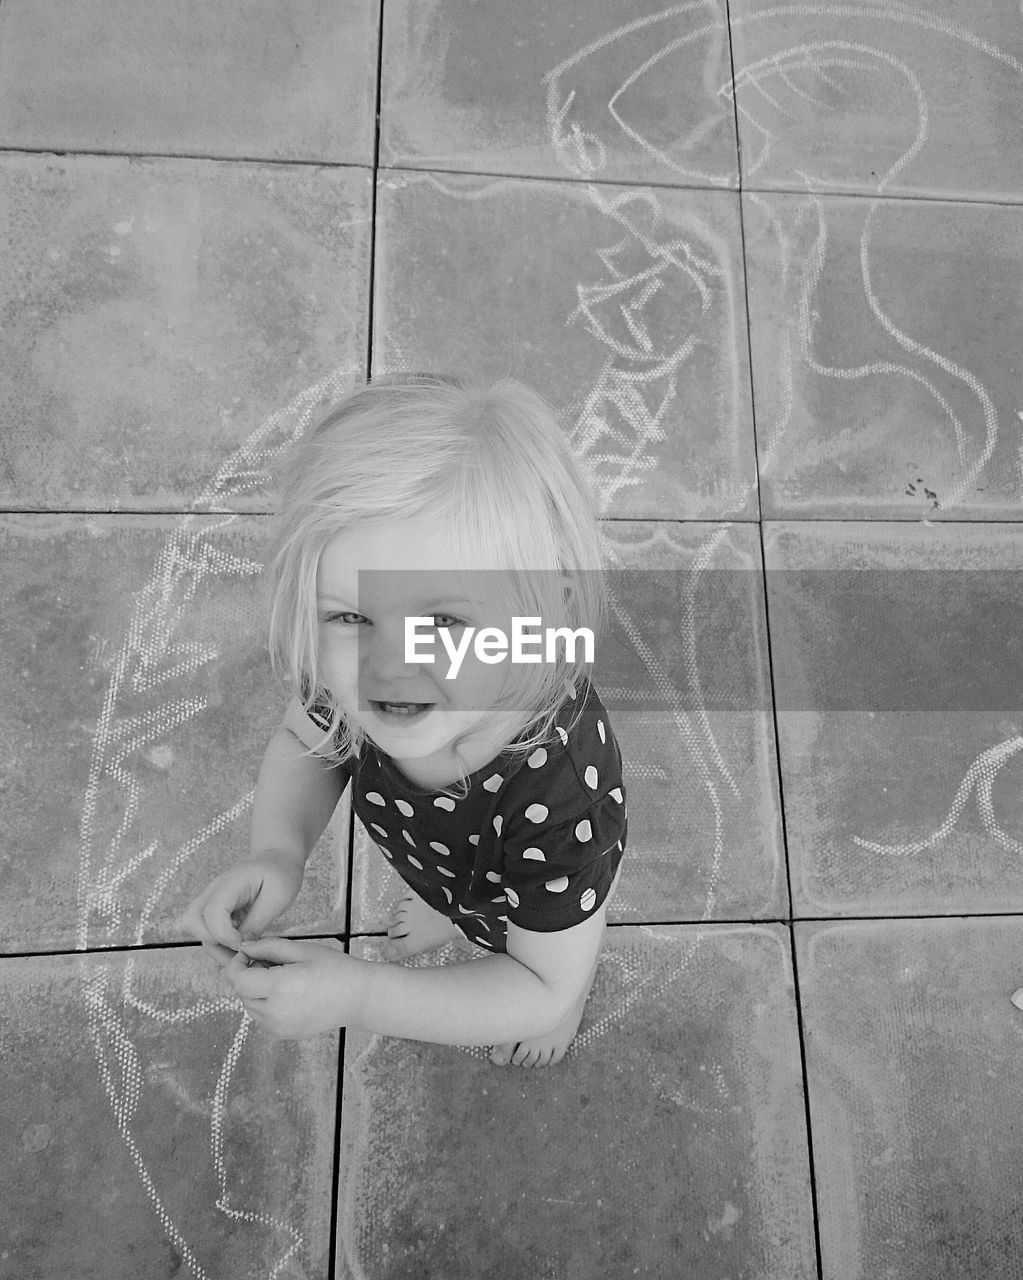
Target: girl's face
(370,579)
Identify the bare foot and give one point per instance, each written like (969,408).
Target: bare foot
(546,1050)
(416,927)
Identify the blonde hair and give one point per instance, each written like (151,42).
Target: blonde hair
(491,463)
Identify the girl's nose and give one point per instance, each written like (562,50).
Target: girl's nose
(384,653)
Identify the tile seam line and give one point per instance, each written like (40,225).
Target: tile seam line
(142,513)
(811,1159)
(334,1224)
(811,1163)
(551,179)
(694,922)
(739,189)
(361,166)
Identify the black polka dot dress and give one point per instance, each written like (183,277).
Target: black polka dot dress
(536,841)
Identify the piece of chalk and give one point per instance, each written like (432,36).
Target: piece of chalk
(1017,998)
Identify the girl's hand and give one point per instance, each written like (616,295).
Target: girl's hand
(308,987)
(240,904)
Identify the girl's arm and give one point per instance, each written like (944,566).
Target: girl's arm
(315,987)
(295,796)
(497,998)
(296,792)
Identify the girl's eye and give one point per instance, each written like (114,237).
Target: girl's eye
(447,621)
(346,617)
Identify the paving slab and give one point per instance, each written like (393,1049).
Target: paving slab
(669,1141)
(891,98)
(251,79)
(885,357)
(896,655)
(694,725)
(589,91)
(914,1070)
(152,1130)
(164,317)
(625,308)
(138,703)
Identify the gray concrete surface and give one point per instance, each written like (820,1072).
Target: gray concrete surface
(707,1176)
(914,1069)
(767,264)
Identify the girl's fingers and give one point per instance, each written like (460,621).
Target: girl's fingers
(210,918)
(191,920)
(220,926)
(260,913)
(250,982)
(273,950)
(223,909)
(222,955)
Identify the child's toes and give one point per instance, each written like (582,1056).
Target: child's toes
(531,1053)
(396,947)
(523,1051)
(399,926)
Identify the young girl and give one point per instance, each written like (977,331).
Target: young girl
(492,784)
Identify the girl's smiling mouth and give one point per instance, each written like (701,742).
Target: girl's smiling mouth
(403,712)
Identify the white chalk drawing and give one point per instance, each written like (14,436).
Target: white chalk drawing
(758,90)
(151,660)
(980,777)
(620,424)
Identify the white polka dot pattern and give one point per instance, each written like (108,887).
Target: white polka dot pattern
(548,856)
